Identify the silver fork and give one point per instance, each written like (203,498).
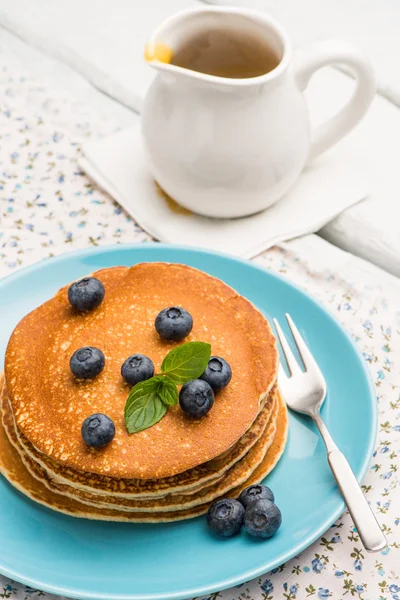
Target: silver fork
(304,392)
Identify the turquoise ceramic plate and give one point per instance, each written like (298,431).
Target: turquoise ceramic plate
(88,559)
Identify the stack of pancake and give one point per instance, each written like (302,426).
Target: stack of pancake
(172,470)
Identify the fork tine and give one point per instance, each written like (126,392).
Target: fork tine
(307,357)
(283,380)
(290,358)
(281,373)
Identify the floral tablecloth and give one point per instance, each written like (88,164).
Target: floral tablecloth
(48,206)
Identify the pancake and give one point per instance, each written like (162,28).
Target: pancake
(49,405)
(187,482)
(239,473)
(13,469)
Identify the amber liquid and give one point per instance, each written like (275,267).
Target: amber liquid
(226,54)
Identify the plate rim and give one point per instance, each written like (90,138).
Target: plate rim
(249,574)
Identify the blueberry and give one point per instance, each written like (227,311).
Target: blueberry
(98,430)
(87,362)
(262,519)
(225,517)
(254,493)
(137,368)
(196,398)
(218,373)
(173,323)
(86,294)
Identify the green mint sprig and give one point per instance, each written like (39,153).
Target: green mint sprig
(143,407)
(148,400)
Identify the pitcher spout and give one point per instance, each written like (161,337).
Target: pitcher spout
(158,52)
(172,34)
(162,45)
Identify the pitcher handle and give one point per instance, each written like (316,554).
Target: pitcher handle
(322,54)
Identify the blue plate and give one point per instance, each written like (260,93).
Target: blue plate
(89,559)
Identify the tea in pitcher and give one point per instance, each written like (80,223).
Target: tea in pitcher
(225,53)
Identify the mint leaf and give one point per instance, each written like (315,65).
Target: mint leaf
(168,392)
(148,400)
(186,362)
(144,406)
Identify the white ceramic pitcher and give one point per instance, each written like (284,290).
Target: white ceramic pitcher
(226,147)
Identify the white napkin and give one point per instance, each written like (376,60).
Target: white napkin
(118,165)
(325,188)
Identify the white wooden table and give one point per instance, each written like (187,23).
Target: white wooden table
(94,50)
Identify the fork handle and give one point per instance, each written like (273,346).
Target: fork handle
(368,528)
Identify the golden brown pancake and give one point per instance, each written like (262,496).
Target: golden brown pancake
(12,467)
(236,475)
(187,482)
(172,502)
(49,404)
